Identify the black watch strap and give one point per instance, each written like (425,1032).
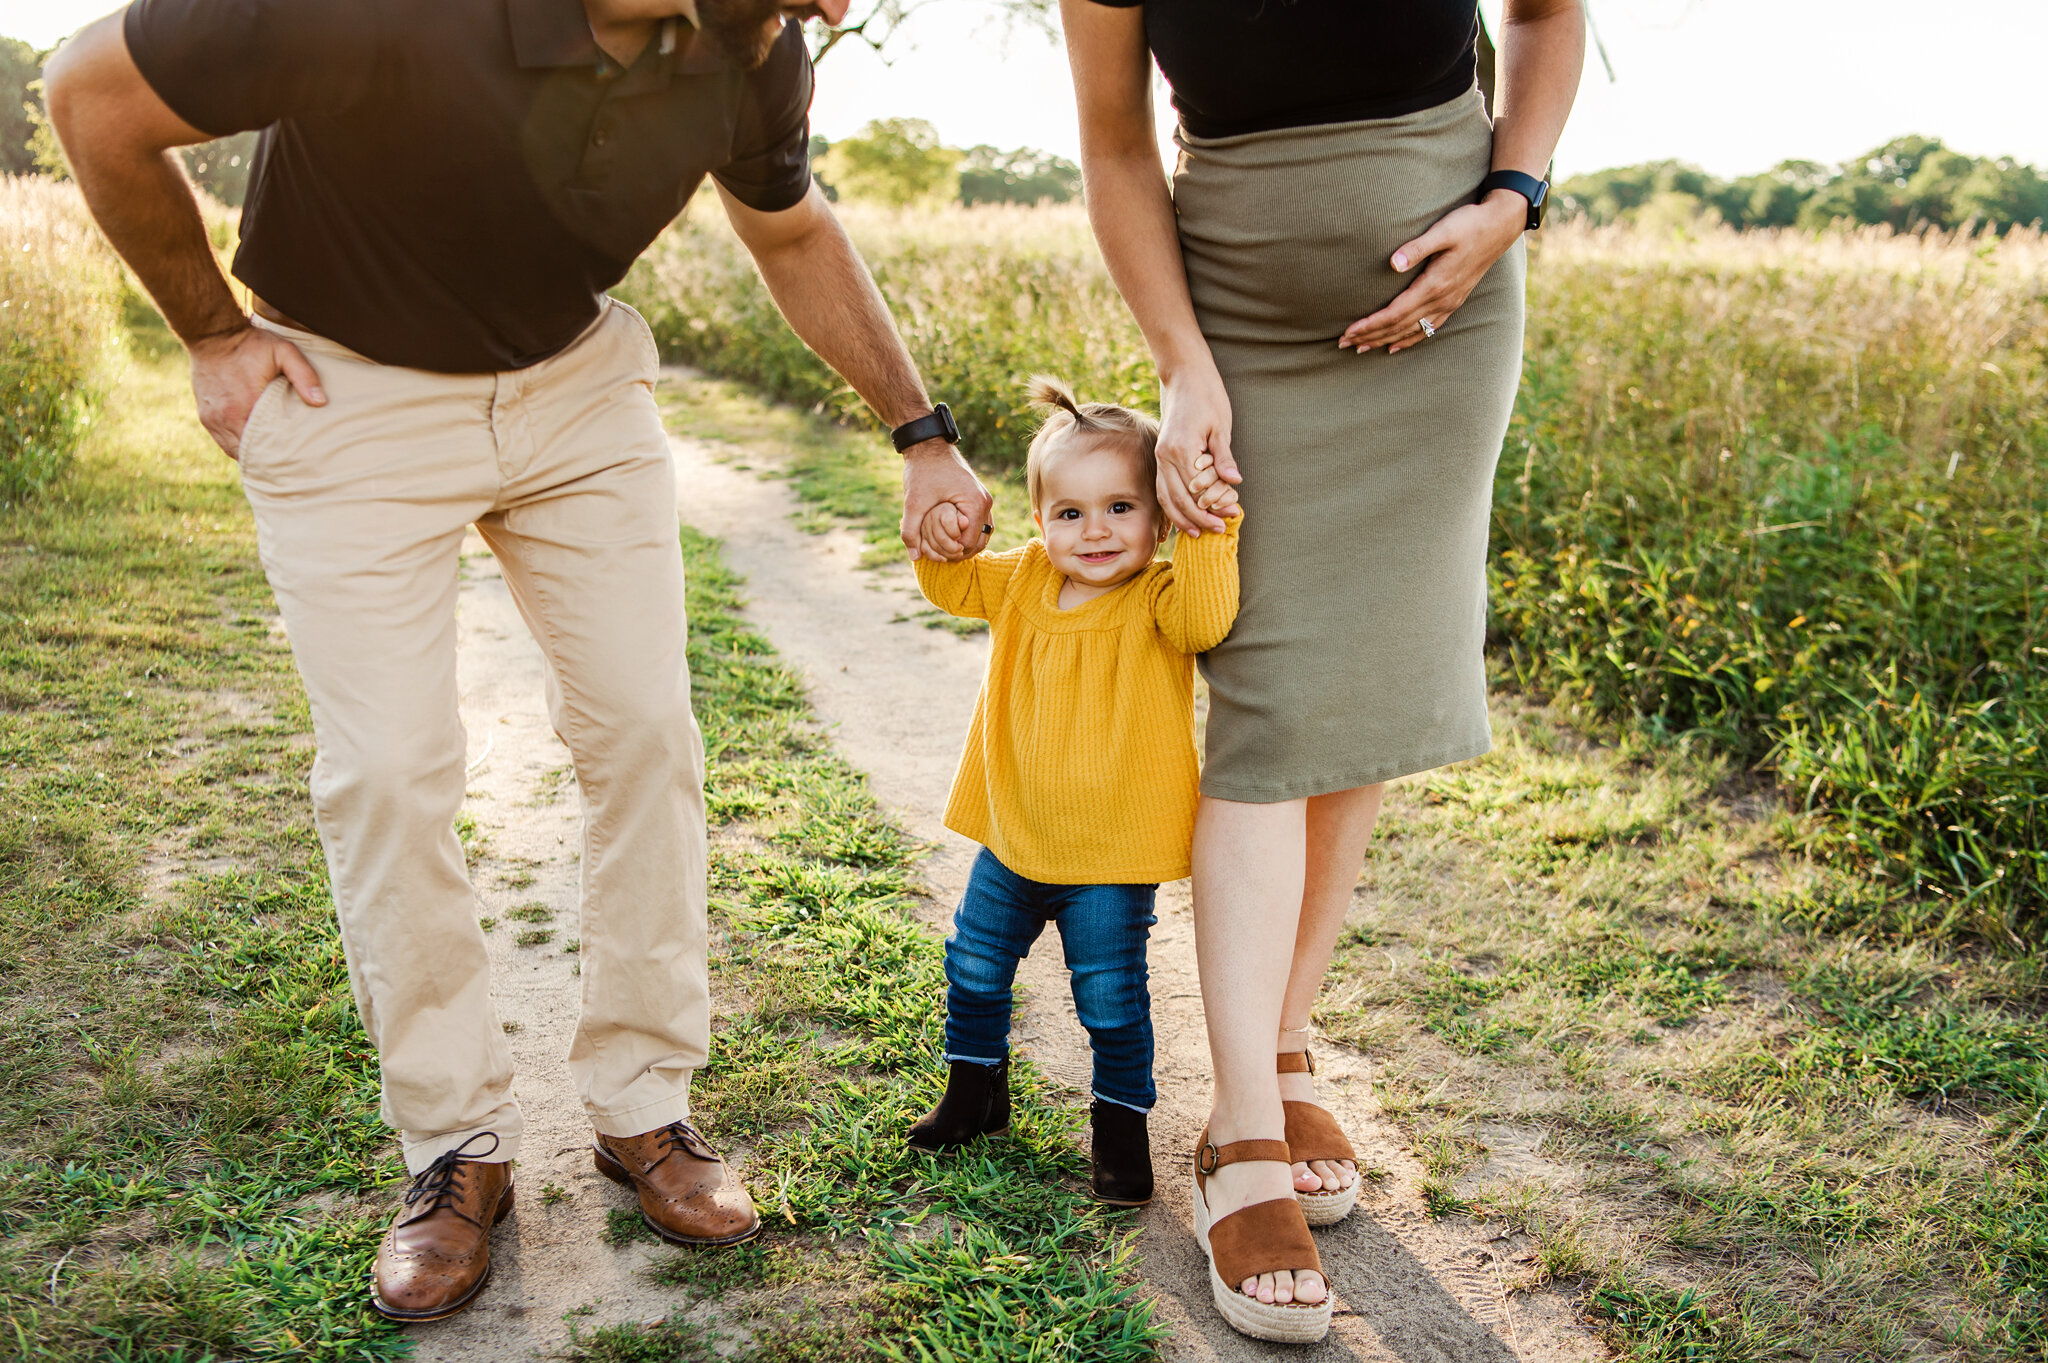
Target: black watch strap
(936,426)
(1536,191)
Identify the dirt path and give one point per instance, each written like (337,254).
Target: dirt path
(898,697)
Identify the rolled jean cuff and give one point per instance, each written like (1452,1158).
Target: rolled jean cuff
(638,1121)
(421,1151)
(1100,1096)
(977,1059)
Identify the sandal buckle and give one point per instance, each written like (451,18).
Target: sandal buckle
(1310,1057)
(1212,1156)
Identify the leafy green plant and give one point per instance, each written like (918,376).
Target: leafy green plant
(60,337)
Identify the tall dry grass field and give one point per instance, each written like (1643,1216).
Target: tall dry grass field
(1776,493)
(985,297)
(60,338)
(1785,493)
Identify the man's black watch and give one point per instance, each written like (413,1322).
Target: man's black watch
(1536,191)
(937,426)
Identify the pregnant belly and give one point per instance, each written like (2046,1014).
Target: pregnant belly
(1289,236)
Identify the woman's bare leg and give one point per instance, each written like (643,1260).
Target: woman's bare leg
(1339,827)
(1250,862)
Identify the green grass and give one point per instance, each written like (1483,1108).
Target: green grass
(834,1054)
(1789,501)
(190,1163)
(188,1145)
(1758,1137)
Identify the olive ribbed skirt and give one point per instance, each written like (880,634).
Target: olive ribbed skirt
(1358,650)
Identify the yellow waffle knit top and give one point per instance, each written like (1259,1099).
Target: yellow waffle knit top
(1080,768)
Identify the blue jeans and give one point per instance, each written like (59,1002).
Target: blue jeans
(1103,929)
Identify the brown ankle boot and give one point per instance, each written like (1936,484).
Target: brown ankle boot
(687,1195)
(436,1257)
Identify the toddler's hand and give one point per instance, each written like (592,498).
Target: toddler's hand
(943,521)
(1210,492)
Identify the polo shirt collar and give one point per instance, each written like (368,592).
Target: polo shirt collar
(552,33)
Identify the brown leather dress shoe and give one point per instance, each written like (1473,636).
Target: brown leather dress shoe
(436,1257)
(687,1196)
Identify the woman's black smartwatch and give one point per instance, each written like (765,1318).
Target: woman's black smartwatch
(1536,191)
(937,426)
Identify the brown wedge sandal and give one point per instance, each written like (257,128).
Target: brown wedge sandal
(1264,1237)
(1313,1134)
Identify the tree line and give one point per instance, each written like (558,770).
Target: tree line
(901,162)
(1909,184)
(28,146)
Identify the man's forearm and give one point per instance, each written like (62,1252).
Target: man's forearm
(824,290)
(830,300)
(150,216)
(109,123)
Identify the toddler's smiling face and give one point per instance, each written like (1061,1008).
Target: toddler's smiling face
(1098,513)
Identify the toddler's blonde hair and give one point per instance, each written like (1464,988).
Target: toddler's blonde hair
(1065,418)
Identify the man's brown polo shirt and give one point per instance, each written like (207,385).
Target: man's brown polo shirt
(453,185)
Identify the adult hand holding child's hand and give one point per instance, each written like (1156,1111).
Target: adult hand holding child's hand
(1194,426)
(944,524)
(1209,490)
(936,477)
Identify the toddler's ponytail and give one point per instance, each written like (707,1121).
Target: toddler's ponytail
(1049,395)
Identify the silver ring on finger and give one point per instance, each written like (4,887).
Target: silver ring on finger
(1428,330)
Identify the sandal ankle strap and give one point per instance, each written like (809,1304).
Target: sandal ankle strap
(1296,1062)
(1210,1157)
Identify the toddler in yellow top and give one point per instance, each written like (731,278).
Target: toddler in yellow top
(1079,778)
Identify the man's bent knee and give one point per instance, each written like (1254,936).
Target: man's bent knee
(396,777)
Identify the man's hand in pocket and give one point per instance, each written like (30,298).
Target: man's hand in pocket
(231,370)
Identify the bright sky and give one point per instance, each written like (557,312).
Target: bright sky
(1732,85)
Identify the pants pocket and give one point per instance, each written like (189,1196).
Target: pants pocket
(261,417)
(649,350)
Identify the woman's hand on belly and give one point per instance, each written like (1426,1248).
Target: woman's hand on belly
(1194,421)
(1455,255)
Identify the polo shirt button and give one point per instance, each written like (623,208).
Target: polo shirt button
(598,138)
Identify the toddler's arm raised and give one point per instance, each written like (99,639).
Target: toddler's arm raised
(973,587)
(1196,603)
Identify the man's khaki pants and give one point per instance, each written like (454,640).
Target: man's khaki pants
(361,506)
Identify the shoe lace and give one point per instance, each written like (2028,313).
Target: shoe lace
(681,1137)
(439,1185)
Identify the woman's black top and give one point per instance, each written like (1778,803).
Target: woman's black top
(1244,66)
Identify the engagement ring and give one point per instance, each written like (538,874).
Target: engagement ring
(1428,331)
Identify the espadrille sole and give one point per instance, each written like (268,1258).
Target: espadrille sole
(1290,1324)
(1327,1209)
(1294,1323)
